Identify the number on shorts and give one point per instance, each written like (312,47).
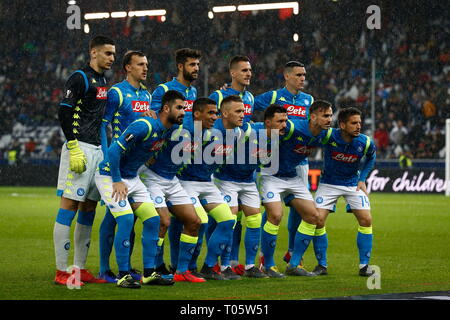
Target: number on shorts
(364,200)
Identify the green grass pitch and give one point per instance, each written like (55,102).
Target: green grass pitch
(411,247)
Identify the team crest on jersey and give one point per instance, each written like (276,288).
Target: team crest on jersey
(270,195)
(319,200)
(122,203)
(140,106)
(227,198)
(193,200)
(360,149)
(80,192)
(126,243)
(344,157)
(158,199)
(296,111)
(101,93)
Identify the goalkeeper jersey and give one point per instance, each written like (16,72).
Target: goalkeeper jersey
(342,160)
(85,92)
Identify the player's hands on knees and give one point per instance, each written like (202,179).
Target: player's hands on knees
(362,186)
(77,158)
(120,191)
(150,113)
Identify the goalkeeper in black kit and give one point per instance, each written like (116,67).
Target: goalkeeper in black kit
(80,114)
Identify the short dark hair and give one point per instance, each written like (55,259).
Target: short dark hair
(236,59)
(98,41)
(171,96)
(319,105)
(291,65)
(129,55)
(181,55)
(270,111)
(347,112)
(200,104)
(229,99)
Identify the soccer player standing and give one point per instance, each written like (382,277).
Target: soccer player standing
(297,104)
(341,176)
(118,182)
(127,101)
(188,66)
(241,73)
(80,114)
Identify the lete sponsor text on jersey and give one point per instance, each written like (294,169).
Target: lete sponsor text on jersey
(102,93)
(188,105)
(297,111)
(247,109)
(223,149)
(140,106)
(157,145)
(305,150)
(344,157)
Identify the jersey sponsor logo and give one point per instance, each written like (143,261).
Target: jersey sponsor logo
(157,145)
(344,157)
(296,111)
(247,109)
(140,106)
(188,105)
(260,153)
(190,146)
(223,149)
(301,149)
(102,93)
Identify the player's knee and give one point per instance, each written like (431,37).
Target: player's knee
(365,221)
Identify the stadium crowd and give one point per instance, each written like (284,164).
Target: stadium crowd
(412,58)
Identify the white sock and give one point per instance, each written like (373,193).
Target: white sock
(82,241)
(61,241)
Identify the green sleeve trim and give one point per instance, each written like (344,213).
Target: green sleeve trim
(327,137)
(220,98)
(149,128)
(119,92)
(166,88)
(274,97)
(367,145)
(291,131)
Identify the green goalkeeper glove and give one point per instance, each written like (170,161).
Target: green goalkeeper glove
(77,157)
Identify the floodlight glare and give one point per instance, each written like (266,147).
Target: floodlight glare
(269,6)
(119,14)
(98,15)
(224,9)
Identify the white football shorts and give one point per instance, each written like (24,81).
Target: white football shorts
(327,195)
(82,186)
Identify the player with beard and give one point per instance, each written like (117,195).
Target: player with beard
(125,194)
(188,66)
